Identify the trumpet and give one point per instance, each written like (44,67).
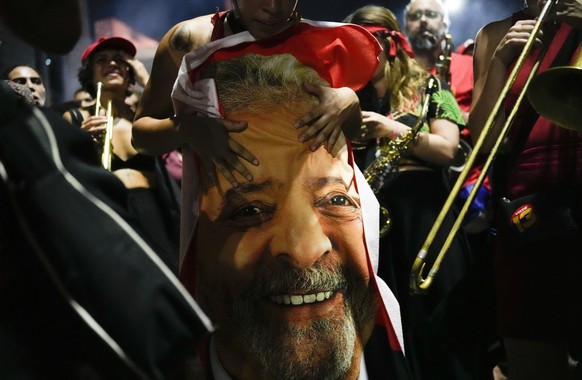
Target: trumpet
(107,150)
(418,282)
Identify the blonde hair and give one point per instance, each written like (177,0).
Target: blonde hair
(404,75)
(262,83)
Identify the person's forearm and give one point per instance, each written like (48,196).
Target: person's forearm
(434,149)
(155,136)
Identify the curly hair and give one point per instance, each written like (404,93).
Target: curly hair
(404,75)
(85,76)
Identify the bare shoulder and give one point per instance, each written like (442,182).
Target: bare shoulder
(187,36)
(177,42)
(488,39)
(493,32)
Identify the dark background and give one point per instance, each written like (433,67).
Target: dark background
(152,18)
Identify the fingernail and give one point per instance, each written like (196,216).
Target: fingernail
(256,162)
(249,177)
(235,184)
(313,148)
(298,124)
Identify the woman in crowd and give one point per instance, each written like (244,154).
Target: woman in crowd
(537,184)
(414,192)
(151,200)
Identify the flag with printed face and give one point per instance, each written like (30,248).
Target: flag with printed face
(304,213)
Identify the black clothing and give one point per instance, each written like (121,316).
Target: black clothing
(82,296)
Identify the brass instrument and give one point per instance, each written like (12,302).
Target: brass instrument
(107,152)
(443,65)
(443,70)
(390,153)
(555,94)
(418,283)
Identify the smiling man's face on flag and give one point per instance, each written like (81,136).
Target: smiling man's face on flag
(282,265)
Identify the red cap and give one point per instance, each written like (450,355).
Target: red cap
(111,43)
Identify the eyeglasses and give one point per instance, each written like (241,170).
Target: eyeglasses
(22,80)
(417,15)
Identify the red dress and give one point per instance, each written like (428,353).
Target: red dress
(537,282)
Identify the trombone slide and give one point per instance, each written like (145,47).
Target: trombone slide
(418,283)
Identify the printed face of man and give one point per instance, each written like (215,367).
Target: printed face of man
(424,24)
(28,77)
(282,265)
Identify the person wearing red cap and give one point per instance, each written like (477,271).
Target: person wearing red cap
(106,61)
(416,187)
(82,294)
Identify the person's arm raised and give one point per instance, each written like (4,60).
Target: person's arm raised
(496,46)
(155,128)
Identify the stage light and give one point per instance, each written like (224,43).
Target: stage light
(454,5)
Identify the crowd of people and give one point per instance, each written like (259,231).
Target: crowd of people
(279,177)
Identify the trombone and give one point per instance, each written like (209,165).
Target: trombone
(107,153)
(418,282)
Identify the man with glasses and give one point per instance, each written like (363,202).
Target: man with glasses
(28,77)
(426,23)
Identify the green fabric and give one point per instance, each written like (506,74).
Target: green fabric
(442,105)
(447,107)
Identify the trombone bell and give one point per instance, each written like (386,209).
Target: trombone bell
(555,95)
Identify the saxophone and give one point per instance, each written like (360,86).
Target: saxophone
(443,65)
(390,153)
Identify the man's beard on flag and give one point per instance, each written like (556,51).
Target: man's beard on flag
(323,348)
